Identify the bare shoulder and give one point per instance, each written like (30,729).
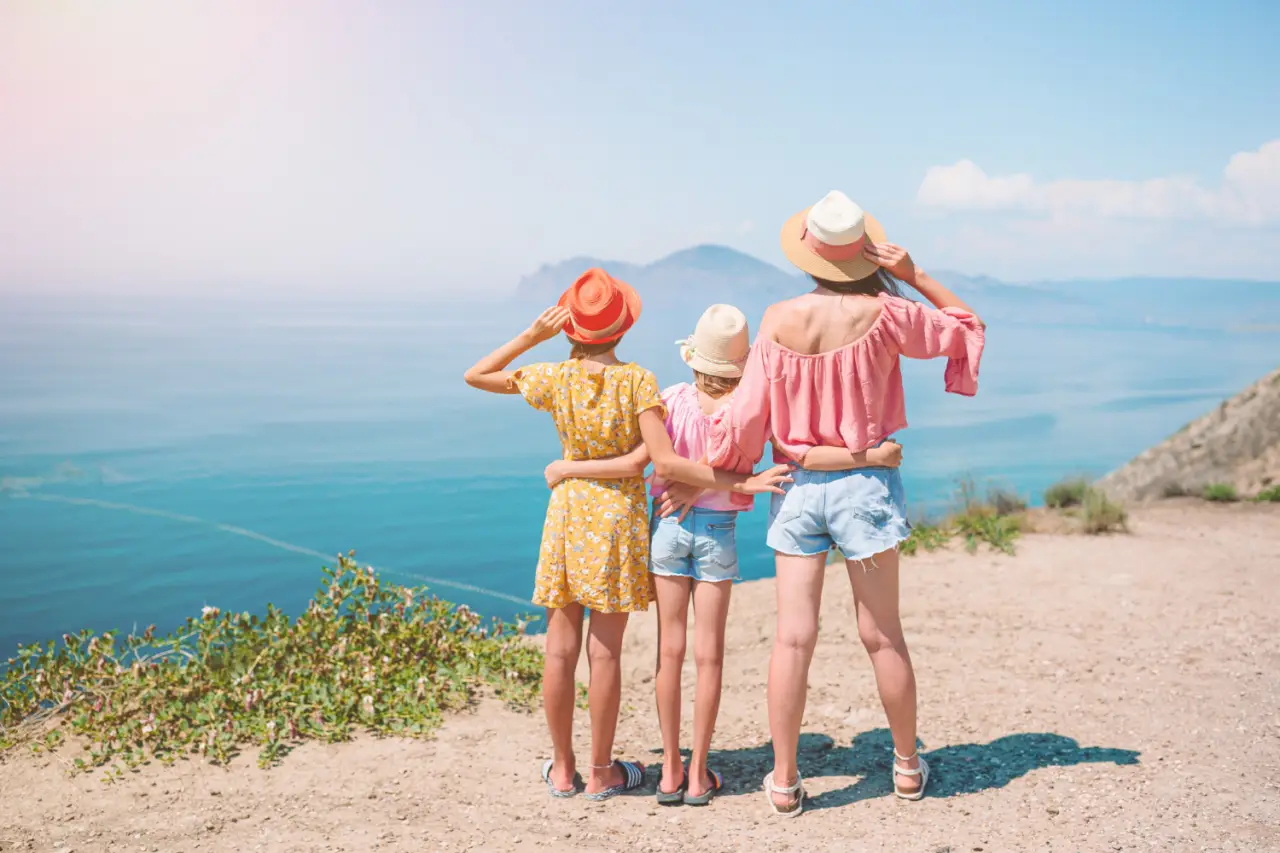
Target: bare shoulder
(779,314)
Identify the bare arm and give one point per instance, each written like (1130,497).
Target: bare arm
(670,465)
(896,260)
(490,373)
(616,468)
(887,455)
(937,293)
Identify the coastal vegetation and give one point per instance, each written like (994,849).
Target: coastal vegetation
(363,656)
(1221,493)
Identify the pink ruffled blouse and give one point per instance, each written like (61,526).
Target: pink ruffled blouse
(850,396)
(687,426)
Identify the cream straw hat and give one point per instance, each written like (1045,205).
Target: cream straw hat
(719,343)
(827,239)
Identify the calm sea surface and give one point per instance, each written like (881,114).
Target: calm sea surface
(159,456)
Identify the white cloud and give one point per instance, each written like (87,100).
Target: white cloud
(1249,193)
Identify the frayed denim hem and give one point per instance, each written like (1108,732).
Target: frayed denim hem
(867,558)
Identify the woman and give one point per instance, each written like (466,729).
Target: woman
(824,371)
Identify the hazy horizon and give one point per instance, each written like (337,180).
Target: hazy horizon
(199,147)
(457,290)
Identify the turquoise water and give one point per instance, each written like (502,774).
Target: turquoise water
(159,456)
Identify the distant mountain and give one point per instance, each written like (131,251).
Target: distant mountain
(1238,443)
(698,276)
(689,280)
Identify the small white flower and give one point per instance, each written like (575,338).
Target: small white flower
(208,612)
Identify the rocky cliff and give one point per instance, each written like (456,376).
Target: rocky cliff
(1237,443)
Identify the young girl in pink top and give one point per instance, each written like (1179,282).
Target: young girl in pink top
(693,555)
(824,371)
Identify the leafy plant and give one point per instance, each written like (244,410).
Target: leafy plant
(363,656)
(1066,493)
(1271,495)
(1100,515)
(985,525)
(926,534)
(1221,493)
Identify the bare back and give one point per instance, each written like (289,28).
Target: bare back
(820,322)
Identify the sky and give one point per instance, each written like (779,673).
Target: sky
(148,146)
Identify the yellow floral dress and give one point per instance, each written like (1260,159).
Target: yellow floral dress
(595,541)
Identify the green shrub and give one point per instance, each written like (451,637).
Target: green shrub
(1221,492)
(1100,515)
(363,656)
(1066,493)
(1271,495)
(983,524)
(926,534)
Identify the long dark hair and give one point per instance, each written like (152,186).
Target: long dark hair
(878,282)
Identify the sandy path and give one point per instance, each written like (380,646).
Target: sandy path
(1089,694)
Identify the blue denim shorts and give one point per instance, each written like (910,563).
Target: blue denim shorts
(862,512)
(702,547)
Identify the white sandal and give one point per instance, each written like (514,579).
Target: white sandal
(797,789)
(922,771)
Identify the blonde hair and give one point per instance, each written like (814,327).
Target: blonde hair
(715,386)
(587,350)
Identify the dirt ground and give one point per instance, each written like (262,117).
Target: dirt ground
(1115,693)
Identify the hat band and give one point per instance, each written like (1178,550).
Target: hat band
(596,334)
(688,350)
(829,252)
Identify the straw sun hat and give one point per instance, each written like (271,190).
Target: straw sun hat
(826,240)
(719,343)
(601,308)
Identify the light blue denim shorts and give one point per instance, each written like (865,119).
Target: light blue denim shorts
(702,547)
(862,512)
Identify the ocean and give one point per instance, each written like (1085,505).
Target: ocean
(159,455)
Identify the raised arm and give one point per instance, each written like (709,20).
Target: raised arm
(670,465)
(898,262)
(950,330)
(490,373)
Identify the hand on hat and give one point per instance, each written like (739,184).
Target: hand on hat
(548,324)
(893,258)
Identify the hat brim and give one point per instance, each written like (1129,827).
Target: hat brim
(711,368)
(633,306)
(806,261)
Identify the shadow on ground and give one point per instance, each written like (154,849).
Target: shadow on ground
(965,768)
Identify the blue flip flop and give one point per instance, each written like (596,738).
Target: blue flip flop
(632,778)
(717,782)
(552,789)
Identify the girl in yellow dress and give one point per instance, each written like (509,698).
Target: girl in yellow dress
(595,541)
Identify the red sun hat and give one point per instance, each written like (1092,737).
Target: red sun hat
(601,308)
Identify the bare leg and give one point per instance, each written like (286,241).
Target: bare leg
(673,616)
(604,693)
(875,593)
(564,642)
(710,608)
(799,589)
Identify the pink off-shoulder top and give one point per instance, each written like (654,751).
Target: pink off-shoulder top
(850,396)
